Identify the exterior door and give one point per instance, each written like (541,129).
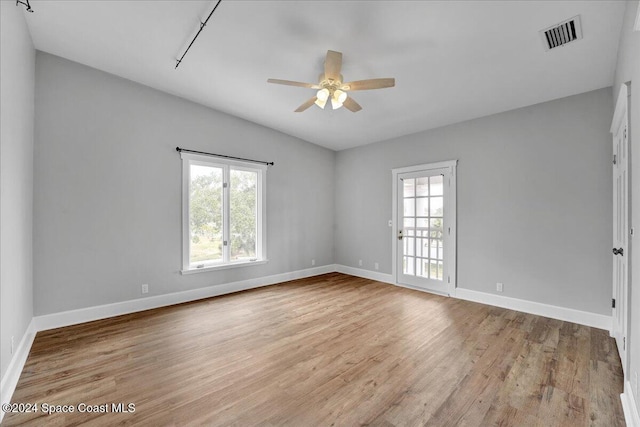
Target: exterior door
(620,253)
(425,227)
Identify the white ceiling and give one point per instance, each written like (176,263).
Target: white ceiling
(452,60)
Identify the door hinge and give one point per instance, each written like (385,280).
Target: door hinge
(624,343)
(614,159)
(631,231)
(613,303)
(448,279)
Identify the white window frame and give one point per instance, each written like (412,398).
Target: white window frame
(189,159)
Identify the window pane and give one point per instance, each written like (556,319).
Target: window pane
(433,249)
(425,268)
(408,264)
(435,224)
(435,183)
(205,214)
(422,206)
(409,243)
(433,270)
(435,206)
(422,186)
(409,207)
(243,216)
(408,185)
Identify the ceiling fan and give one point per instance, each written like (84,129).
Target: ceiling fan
(331,86)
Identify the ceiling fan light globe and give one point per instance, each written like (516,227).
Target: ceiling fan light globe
(340,96)
(323,95)
(321,102)
(335,103)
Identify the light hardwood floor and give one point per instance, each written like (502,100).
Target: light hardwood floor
(332,350)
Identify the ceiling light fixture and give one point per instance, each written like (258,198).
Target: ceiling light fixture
(322,95)
(338,98)
(332,85)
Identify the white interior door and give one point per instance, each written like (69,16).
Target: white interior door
(620,132)
(425,227)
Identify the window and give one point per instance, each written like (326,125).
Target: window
(223,213)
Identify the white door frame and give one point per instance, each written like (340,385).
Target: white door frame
(620,331)
(450,206)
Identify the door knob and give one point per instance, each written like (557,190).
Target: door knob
(618,251)
(399,234)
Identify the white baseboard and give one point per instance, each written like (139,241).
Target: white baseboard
(74,317)
(599,321)
(631,414)
(586,318)
(12,375)
(367,274)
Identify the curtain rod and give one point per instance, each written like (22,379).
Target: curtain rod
(180,150)
(202,25)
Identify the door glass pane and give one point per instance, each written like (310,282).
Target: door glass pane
(408,265)
(409,187)
(423,268)
(422,222)
(440,270)
(422,186)
(435,185)
(205,214)
(409,207)
(435,224)
(433,249)
(243,214)
(409,222)
(419,246)
(422,206)
(433,269)
(435,208)
(409,245)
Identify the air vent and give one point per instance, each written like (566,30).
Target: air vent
(562,34)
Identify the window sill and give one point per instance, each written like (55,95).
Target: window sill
(223,266)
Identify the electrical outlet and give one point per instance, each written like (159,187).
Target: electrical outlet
(360,262)
(499,287)
(12,345)
(145,288)
(313,262)
(376,266)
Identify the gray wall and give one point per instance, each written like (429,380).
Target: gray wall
(534,200)
(628,69)
(107,204)
(17,65)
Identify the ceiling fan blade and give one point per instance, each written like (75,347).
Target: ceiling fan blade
(292,83)
(306,105)
(369,84)
(351,105)
(333,65)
